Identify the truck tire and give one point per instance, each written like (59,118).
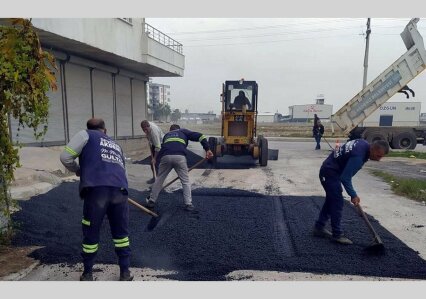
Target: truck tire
(404,140)
(263,155)
(212,145)
(374,136)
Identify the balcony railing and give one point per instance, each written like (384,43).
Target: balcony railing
(163,39)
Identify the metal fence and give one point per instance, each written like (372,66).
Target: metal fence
(163,39)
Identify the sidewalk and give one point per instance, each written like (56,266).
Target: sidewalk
(41,171)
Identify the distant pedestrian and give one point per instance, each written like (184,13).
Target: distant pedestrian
(154,135)
(104,188)
(317,132)
(173,156)
(337,170)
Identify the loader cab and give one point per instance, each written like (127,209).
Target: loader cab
(237,93)
(239,120)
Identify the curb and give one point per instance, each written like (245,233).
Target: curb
(20,274)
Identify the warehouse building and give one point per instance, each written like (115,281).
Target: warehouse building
(104,66)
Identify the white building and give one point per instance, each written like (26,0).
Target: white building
(396,114)
(104,65)
(302,113)
(159,93)
(265,117)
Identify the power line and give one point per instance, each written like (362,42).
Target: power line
(271,34)
(265,42)
(263,27)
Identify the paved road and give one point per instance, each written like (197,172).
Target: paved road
(254,223)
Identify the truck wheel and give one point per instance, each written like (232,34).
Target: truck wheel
(374,136)
(404,140)
(263,155)
(212,145)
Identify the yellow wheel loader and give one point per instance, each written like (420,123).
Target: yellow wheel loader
(239,122)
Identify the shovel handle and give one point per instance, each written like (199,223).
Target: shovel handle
(148,211)
(174,180)
(370,227)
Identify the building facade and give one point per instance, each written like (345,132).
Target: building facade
(103,67)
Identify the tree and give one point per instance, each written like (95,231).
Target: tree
(176,115)
(161,111)
(25,78)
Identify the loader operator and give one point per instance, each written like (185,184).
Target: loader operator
(103,186)
(241,100)
(337,170)
(154,135)
(173,156)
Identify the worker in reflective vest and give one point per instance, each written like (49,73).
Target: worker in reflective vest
(173,156)
(103,186)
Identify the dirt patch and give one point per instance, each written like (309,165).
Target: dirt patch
(15,259)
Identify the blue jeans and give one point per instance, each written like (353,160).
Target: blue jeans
(333,205)
(318,140)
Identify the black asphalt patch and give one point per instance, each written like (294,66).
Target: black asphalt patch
(234,230)
(191,159)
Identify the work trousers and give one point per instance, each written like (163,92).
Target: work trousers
(156,162)
(179,164)
(98,202)
(333,205)
(318,141)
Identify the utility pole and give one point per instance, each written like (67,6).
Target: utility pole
(367,44)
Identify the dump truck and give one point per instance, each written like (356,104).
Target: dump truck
(239,123)
(394,79)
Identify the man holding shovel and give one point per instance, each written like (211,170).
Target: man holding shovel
(103,186)
(154,135)
(173,156)
(337,170)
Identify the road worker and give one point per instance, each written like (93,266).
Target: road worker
(337,170)
(173,156)
(104,188)
(154,135)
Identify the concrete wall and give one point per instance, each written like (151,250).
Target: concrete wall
(154,53)
(109,34)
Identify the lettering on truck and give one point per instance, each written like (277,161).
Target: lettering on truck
(388,108)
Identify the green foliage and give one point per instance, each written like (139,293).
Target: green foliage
(176,115)
(411,188)
(25,78)
(161,111)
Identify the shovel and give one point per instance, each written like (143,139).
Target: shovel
(155,221)
(377,247)
(148,211)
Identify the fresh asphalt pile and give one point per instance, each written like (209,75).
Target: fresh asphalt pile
(234,230)
(191,159)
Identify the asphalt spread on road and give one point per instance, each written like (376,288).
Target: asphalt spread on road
(234,230)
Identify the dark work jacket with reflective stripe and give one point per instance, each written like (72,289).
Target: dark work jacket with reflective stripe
(175,142)
(102,162)
(338,160)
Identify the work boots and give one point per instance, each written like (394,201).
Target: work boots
(322,232)
(86,276)
(342,240)
(149,203)
(126,275)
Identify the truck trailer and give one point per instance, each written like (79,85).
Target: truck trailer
(394,79)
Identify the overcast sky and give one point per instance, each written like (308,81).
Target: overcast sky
(292,60)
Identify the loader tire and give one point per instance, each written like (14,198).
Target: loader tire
(263,155)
